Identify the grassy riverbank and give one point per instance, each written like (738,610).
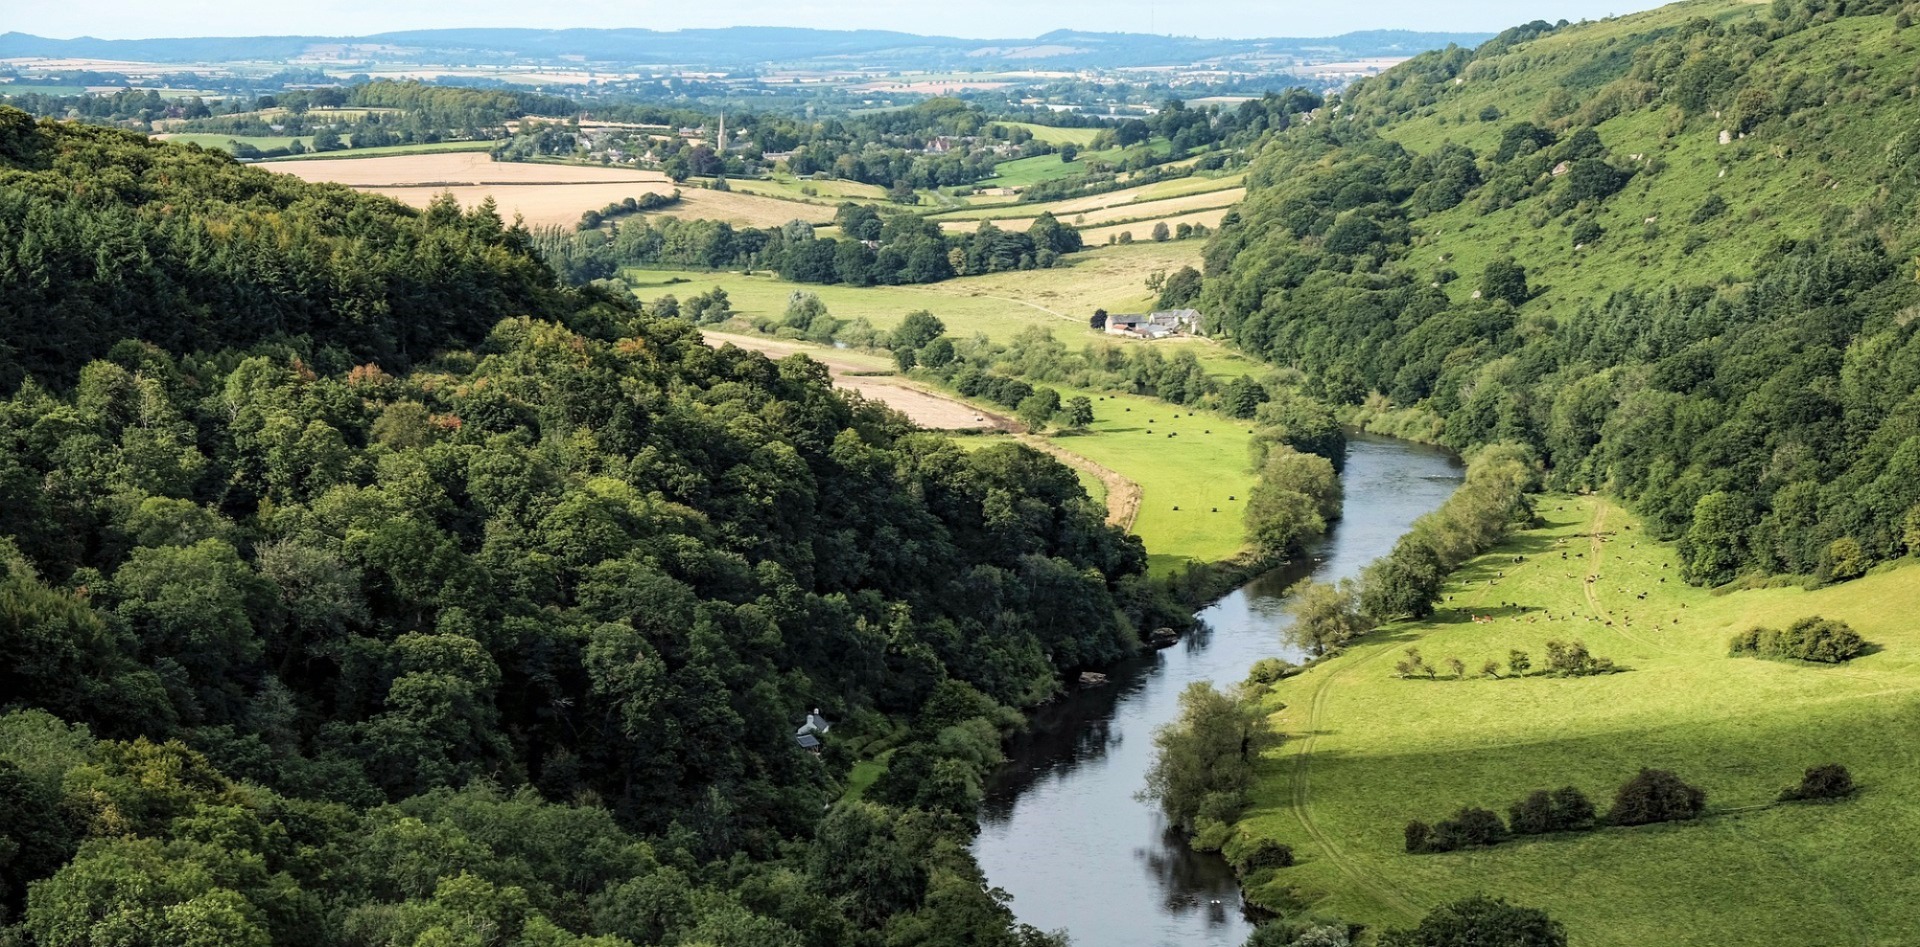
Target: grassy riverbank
(1368,751)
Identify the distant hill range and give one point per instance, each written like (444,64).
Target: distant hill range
(748,46)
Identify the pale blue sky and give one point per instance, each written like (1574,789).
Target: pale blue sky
(118,19)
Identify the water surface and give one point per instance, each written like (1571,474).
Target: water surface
(1061,830)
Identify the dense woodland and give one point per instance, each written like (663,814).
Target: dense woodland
(361,584)
(873,249)
(1765,415)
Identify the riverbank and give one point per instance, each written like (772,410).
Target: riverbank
(1368,751)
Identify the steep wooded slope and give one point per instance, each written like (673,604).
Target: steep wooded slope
(1672,252)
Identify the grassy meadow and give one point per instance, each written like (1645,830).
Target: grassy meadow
(1367,752)
(1190,459)
(1054,135)
(997,304)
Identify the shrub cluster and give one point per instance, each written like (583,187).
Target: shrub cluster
(1563,810)
(1564,659)
(1656,795)
(1261,854)
(1825,640)
(1571,659)
(1471,827)
(1652,795)
(1829,781)
(649,201)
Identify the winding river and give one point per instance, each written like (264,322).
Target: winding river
(1061,830)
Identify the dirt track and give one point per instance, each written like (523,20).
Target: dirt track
(931,409)
(854,372)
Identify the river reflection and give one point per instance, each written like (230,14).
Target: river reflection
(1061,830)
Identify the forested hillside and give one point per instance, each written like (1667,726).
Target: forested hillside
(361,585)
(1674,253)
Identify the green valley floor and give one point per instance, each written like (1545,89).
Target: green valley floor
(1367,751)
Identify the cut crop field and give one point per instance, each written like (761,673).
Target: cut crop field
(1143,229)
(538,205)
(1162,209)
(1367,752)
(541,194)
(1142,199)
(469,169)
(742,209)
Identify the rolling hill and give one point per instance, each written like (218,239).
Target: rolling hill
(745,46)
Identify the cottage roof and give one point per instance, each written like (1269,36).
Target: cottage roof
(815,724)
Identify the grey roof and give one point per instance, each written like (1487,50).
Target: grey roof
(807,741)
(815,724)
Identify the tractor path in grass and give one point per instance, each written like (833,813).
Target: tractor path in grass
(1123,495)
(1299,801)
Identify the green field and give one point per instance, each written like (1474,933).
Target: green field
(1367,752)
(216,141)
(221,142)
(1055,135)
(34,88)
(1024,171)
(831,192)
(1183,458)
(1190,459)
(437,147)
(997,304)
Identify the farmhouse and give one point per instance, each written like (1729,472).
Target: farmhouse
(1156,325)
(1177,320)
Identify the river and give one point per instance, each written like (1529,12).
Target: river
(1061,830)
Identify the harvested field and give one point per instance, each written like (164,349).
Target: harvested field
(1078,213)
(734,207)
(432,170)
(538,204)
(541,194)
(1143,230)
(852,371)
(1142,199)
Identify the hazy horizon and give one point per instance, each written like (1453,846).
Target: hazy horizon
(981,19)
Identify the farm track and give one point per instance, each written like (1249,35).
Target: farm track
(1123,495)
(1298,797)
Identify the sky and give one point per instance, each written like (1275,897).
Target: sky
(123,19)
